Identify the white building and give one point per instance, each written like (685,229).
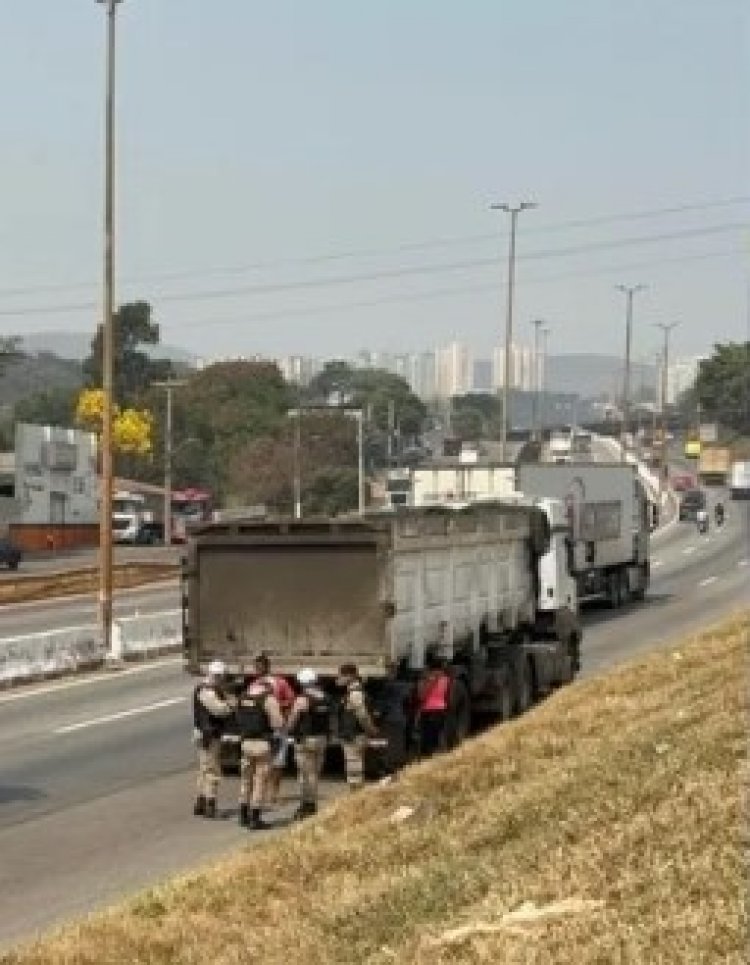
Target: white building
(300,369)
(680,377)
(453,370)
(55,475)
(525,369)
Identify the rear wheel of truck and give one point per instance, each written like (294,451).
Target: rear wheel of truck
(613,590)
(524,685)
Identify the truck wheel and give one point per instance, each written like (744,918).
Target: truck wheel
(613,591)
(624,588)
(524,686)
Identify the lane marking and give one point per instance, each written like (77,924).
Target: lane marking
(708,581)
(688,550)
(120,715)
(97,677)
(742,562)
(657,563)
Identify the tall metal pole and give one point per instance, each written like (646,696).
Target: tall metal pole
(297,456)
(536,429)
(543,383)
(360,463)
(629,291)
(666,329)
(105,512)
(514,212)
(168,386)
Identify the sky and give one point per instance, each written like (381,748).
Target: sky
(315,178)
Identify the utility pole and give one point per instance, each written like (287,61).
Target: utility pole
(536,428)
(360,462)
(169,386)
(543,383)
(666,328)
(629,291)
(108,324)
(513,211)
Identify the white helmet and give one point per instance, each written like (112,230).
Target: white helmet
(307,677)
(217,668)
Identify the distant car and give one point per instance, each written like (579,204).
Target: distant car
(150,534)
(691,502)
(10,555)
(682,482)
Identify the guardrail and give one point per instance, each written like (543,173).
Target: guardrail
(37,656)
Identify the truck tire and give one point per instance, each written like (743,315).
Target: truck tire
(613,590)
(643,576)
(624,588)
(524,686)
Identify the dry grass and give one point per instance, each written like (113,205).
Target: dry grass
(606,826)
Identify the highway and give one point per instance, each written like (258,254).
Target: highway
(96,774)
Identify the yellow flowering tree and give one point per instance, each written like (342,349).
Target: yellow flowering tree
(131,428)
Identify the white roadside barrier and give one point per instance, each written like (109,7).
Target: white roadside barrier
(36,656)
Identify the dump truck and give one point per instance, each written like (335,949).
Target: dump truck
(714,464)
(482,586)
(607,515)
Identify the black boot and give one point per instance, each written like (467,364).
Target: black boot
(211,807)
(244,818)
(256,821)
(305,810)
(199,808)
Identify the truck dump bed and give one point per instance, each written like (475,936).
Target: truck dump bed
(326,592)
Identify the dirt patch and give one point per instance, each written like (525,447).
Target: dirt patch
(23,589)
(604,826)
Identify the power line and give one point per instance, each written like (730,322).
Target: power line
(436,268)
(398,249)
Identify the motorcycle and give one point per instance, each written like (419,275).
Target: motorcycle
(701,521)
(719,514)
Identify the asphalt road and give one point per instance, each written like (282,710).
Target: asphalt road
(34,564)
(96,774)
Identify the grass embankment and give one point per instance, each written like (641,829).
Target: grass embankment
(43,586)
(606,826)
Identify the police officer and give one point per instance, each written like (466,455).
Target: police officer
(211,709)
(309,724)
(355,725)
(259,723)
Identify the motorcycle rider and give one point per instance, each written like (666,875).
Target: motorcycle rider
(719,514)
(701,520)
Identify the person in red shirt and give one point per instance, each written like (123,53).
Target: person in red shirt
(433,700)
(285,696)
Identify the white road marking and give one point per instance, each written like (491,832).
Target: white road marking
(99,677)
(688,550)
(742,562)
(120,715)
(708,581)
(657,563)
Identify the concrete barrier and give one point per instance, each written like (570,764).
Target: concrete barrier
(38,656)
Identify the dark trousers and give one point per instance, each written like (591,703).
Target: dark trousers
(431,730)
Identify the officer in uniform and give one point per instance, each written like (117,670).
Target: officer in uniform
(260,724)
(309,724)
(355,725)
(211,710)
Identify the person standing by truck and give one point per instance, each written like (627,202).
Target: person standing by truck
(356,725)
(433,701)
(309,725)
(284,694)
(211,711)
(260,725)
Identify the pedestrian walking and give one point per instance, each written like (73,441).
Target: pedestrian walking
(356,725)
(284,694)
(433,699)
(211,711)
(309,724)
(260,726)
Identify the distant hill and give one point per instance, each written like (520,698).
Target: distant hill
(76,346)
(35,372)
(593,375)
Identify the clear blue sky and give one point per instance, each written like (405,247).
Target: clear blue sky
(277,132)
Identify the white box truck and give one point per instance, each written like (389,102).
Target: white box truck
(739,480)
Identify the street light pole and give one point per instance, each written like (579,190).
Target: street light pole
(105,510)
(297,457)
(168,387)
(543,384)
(629,291)
(536,429)
(513,212)
(666,329)
(360,463)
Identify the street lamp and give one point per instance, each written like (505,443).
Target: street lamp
(105,509)
(666,328)
(629,291)
(543,382)
(169,386)
(513,211)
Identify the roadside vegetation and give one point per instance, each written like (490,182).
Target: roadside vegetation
(605,826)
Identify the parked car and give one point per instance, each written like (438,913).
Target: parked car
(10,554)
(691,502)
(150,534)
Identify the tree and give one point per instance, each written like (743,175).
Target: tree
(477,416)
(10,351)
(134,369)
(723,386)
(131,428)
(51,407)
